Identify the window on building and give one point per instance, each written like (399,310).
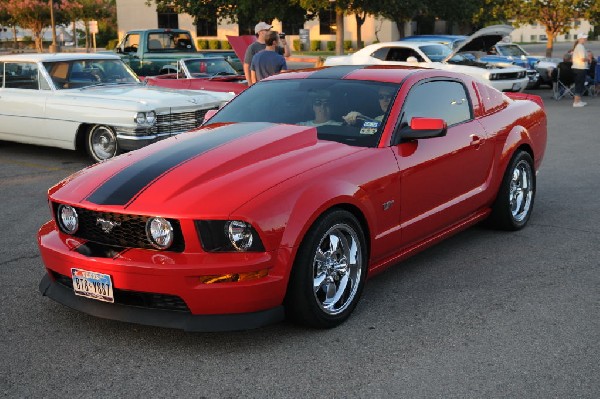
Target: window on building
(291,28)
(327,22)
(206,27)
(534,38)
(245,27)
(168,18)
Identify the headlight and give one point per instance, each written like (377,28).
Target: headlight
(151,117)
(145,118)
(68,219)
(140,118)
(240,234)
(228,236)
(493,76)
(159,232)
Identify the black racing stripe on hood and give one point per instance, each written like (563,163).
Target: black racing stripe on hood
(124,186)
(337,72)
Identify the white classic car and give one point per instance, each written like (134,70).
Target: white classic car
(92,102)
(428,54)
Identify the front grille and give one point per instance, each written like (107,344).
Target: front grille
(139,299)
(129,231)
(510,75)
(179,122)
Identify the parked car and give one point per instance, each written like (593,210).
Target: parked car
(435,55)
(542,65)
(275,207)
(149,51)
(91,102)
(491,50)
(211,73)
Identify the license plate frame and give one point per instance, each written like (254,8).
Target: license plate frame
(92,285)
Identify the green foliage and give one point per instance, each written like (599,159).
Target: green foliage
(202,44)
(330,45)
(297,45)
(214,44)
(315,45)
(347,45)
(112,44)
(225,45)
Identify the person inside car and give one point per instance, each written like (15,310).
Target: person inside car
(321,105)
(384,95)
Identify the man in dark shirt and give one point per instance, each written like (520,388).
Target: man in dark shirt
(267,62)
(261,29)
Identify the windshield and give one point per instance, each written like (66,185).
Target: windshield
(347,111)
(205,67)
(76,74)
(436,52)
(511,50)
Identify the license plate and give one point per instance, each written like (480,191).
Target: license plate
(92,285)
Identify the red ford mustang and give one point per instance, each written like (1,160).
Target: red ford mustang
(290,197)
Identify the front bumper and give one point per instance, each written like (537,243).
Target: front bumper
(188,303)
(159,318)
(512,85)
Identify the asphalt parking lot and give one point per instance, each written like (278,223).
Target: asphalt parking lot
(483,314)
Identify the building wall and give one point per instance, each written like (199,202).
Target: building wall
(135,14)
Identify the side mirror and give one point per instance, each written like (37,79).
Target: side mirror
(423,128)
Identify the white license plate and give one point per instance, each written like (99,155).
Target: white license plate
(92,285)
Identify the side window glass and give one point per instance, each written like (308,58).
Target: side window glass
(131,43)
(447,100)
(21,75)
(1,74)
(381,54)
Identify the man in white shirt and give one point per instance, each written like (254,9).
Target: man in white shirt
(580,69)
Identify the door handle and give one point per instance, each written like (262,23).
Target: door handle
(475,140)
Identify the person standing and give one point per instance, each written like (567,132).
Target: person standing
(261,30)
(579,67)
(267,62)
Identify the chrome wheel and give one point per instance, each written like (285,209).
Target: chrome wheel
(337,268)
(521,191)
(514,202)
(329,271)
(102,143)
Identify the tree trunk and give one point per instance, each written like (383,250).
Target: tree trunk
(339,32)
(549,43)
(359,23)
(14,31)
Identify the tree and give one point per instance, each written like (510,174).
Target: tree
(556,15)
(30,14)
(401,11)
(86,11)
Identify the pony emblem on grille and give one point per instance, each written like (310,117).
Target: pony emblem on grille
(107,225)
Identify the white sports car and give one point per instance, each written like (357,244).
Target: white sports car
(428,54)
(92,102)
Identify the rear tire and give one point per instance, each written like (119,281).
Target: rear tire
(514,204)
(329,272)
(101,143)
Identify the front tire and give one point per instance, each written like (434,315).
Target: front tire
(329,272)
(514,203)
(101,143)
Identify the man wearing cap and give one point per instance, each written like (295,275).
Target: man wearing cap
(579,68)
(261,29)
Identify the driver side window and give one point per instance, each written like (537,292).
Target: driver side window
(131,43)
(447,100)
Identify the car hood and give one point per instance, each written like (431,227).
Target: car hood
(209,172)
(155,97)
(483,38)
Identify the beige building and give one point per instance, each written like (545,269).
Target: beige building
(135,14)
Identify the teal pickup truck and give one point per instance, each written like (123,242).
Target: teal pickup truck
(151,52)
